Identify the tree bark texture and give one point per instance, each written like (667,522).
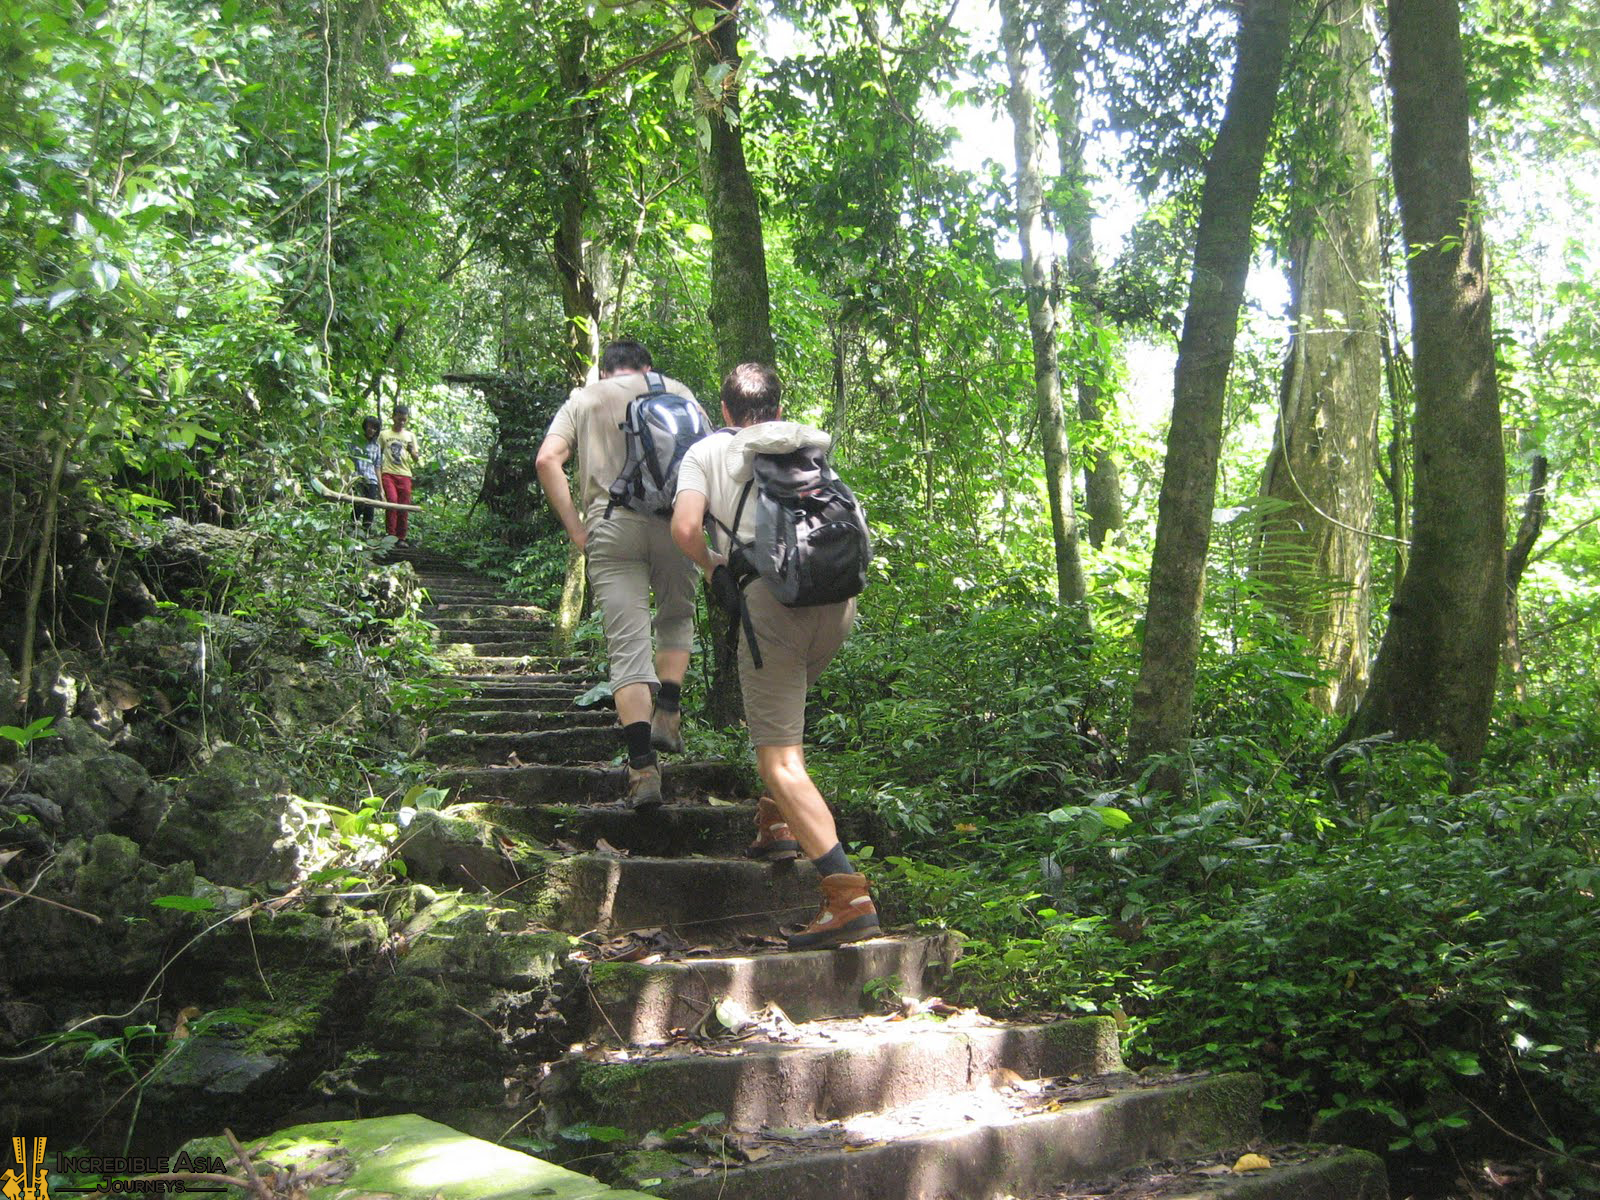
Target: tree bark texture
(740,299)
(1435,674)
(1316,549)
(1038,263)
(1102,480)
(1163,697)
(740,308)
(579,302)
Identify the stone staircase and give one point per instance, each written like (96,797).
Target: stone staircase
(742,1071)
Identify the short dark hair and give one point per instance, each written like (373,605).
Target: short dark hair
(624,354)
(402,410)
(370,423)
(752,392)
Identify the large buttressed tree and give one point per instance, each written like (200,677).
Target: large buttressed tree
(1434,678)
(1316,534)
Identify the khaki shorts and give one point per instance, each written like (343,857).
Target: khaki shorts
(796,644)
(630,556)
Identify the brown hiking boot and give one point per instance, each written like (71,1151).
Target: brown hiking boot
(666,731)
(774,841)
(847,915)
(644,787)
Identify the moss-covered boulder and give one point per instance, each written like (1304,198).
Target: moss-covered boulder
(407,1157)
(234,822)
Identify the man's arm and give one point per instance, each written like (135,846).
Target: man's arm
(688,528)
(551,466)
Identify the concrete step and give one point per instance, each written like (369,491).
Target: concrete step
(521,716)
(825,1071)
(978,1151)
(501,683)
(507,610)
(443,593)
(1296,1172)
(512,664)
(671,831)
(471,629)
(704,901)
(641,1004)
(560,745)
(528,649)
(546,784)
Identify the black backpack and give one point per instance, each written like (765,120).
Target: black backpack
(811,540)
(659,426)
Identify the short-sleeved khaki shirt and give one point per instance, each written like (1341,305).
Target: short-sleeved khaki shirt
(591,423)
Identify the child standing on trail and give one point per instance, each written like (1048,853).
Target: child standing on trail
(399,448)
(795,644)
(367,454)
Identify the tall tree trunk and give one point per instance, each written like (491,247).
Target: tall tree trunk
(1315,543)
(740,309)
(1038,267)
(1102,481)
(1434,679)
(740,301)
(1163,697)
(1528,530)
(578,300)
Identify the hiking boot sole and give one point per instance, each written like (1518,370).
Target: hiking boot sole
(774,852)
(851,931)
(670,745)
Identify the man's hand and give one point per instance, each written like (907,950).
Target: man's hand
(724,590)
(580,539)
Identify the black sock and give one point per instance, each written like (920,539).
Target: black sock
(670,697)
(637,738)
(833,862)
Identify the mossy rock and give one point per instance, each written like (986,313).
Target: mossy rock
(411,1158)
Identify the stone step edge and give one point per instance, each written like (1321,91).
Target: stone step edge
(984,1160)
(759,1083)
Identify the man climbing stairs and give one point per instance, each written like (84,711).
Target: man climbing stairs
(735,1069)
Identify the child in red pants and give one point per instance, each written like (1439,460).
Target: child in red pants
(399,449)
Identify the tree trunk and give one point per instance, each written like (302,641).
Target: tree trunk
(740,302)
(1315,546)
(579,303)
(1434,679)
(740,307)
(1102,481)
(1038,267)
(1528,530)
(1163,697)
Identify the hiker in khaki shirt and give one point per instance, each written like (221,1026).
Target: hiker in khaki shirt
(630,557)
(796,644)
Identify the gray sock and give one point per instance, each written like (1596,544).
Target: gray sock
(833,862)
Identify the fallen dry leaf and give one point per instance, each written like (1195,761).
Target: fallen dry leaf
(1251,1162)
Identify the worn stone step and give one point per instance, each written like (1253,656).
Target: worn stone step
(589,744)
(993,1154)
(1297,1172)
(489,627)
(830,1070)
(539,663)
(509,610)
(521,716)
(441,593)
(546,784)
(642,1004)
(702,900)
(510,684)
(473,637)
(671,831)
(534,651)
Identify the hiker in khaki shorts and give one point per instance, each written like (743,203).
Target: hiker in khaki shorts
(630,556)
(795,645)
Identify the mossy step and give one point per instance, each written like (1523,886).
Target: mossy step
(551,704)
(674,830)
(545,784)
(470,674)
(562,745)
(525,649)
(642,1003)
(535,621)
(411,1158)
(521,716)
(987,1157)
(702,900)
(505,610)
(1297,1172)
(831,1070)
(513,664)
